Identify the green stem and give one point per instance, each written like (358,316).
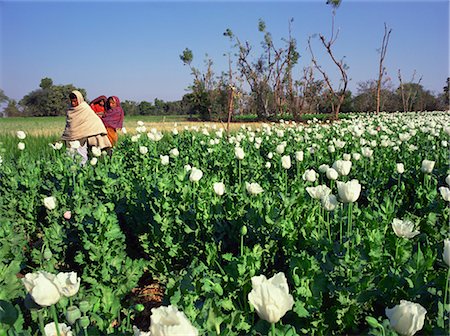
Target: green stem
(55,318)
(242,244)
(286,178)
(239,164)
(340,224)
(128,319)
(446,296)
(273,329)
(41,322)
(328,226)
(349,219)
(396,252)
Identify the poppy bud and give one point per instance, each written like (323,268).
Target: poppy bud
(72,314)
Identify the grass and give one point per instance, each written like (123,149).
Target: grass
(41,131)
(54,126)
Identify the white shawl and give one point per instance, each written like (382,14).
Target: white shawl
(82,122)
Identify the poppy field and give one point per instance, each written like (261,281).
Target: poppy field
(321,228)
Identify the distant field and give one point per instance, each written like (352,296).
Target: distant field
(50,126)
(54,126)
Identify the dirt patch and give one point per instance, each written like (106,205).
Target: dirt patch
(150,294)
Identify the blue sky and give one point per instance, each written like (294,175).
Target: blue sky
(131,49)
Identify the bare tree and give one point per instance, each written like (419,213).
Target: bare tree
(338,95)
(382,69)
(409,91)
(270,73)
(231,91)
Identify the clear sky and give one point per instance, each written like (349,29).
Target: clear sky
(131,49)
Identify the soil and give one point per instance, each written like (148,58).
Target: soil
(149,293)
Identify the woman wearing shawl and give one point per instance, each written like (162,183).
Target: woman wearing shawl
(113,118)
(98,105)
(83,125)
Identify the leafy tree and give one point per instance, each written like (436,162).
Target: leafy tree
(46,83)
(444,98)
(49,100)
(3,98)
(13,110)
(202,88)
(146,108)
(130,107)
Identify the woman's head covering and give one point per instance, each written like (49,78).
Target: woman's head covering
(79,96)
(113,116)
(99,99)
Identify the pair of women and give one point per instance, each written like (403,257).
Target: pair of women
(86,127)
(111,113)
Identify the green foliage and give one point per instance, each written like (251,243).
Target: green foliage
(49,100)
(131,214)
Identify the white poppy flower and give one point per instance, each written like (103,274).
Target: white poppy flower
(21,135)
(143,150)
(286,162)
(329,202)
(68,283)
(21,146)
(270,297)
(427,166)
(56,145)
(50,202)
(342,167)
(169,321)
(253,188)
(406,318)
(280,149)
(299,155)
(74,144)
(404,228)
(96,151)
(446,253)
(319,191)
(309,175)
(196,175)
(42,288)
(239,153)
(164,159)
(64,330)
(323,168)
(332,174)
(400,168)
(445,193)
(219,188)
(367,152)
(349,191)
